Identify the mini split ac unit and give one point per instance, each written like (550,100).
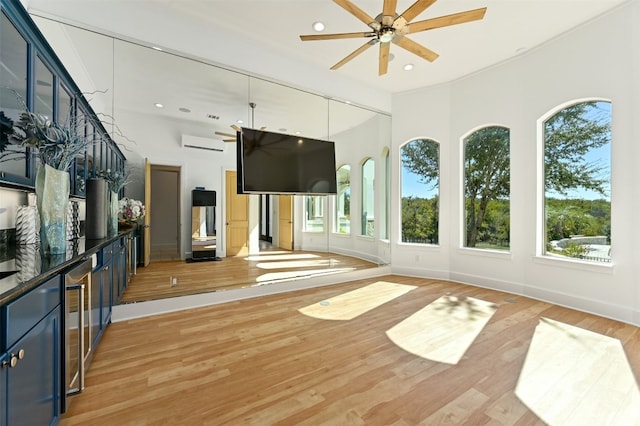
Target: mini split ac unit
(197,142)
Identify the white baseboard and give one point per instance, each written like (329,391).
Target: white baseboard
(571,301)
(154,307)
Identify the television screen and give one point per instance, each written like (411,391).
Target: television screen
(285,164)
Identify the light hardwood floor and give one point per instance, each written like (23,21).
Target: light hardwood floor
(155,281)
(262,362)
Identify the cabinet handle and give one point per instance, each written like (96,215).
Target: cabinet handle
(13,361)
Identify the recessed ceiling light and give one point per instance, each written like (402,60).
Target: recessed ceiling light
(318,26)
(298,132)
(183,109)
(159,105)
(408,67)
(239,121)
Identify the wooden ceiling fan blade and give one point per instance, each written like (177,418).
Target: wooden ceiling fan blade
(353,54)
(310,37)
(228,140)
(236,128)
(389,7)
(225,134)
(448,20)
(358,13)
(416,9)
(416,48)
(383,61)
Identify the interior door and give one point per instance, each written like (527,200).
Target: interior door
(146,235)
(237,212)
(285,222)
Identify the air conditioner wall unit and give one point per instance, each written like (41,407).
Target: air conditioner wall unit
(197,142)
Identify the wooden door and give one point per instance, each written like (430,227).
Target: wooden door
(285,222)
(237,211)
(146,235)
(165,223)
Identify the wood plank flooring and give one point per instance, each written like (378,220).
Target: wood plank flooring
(155,281)
(261,362)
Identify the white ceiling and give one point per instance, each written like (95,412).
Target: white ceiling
(253,28)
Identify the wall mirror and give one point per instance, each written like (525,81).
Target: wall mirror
(124,81)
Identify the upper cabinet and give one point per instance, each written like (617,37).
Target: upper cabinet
(15,163)
(32,77)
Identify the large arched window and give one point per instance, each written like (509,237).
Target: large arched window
(368,197)
(342,223)
(487,188)
(420,191)
(577,182)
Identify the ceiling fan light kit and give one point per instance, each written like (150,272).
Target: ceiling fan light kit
(390,27)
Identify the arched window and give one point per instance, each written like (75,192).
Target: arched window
(487,188)
(420,191)
(368,197)
(387,194)
(342,223)
(314,213)
(577,182)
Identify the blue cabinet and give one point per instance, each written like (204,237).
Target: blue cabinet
(37,81)
(106,285)
(120,276)
(30,357)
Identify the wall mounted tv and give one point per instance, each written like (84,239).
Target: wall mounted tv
(276,163)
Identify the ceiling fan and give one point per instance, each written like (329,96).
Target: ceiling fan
(389,27)
(232,136)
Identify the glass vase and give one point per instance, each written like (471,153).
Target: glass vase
(112,220)
(52,191)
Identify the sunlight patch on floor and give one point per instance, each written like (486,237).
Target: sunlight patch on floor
(269,257)
(573,376)
(443,330)
(297,264)
(354,303)
(287,275)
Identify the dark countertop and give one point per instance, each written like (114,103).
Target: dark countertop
(29,268)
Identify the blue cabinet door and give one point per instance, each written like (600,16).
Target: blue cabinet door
(33,384)
(106,282)
(4,359)
(122,266)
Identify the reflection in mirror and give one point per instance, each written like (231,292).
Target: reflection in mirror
(360,132)
(342,224)
(13,86)
(43,102)
(203,225)
(287,110)
(367,223)
(203,231)
(203,100)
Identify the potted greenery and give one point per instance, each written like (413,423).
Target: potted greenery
(56,148)
(116,180)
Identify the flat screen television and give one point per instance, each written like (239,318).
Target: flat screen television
(276,163)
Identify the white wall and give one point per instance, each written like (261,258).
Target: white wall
(597,60)
(158,141)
